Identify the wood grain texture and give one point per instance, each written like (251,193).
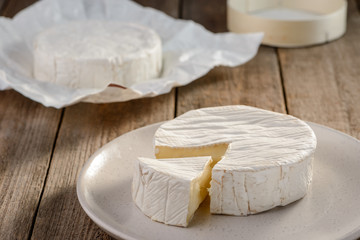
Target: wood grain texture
(27,134)
(12,7)
(85,128)
(2,3)
(170,7)
(322,83)
(257,83)
(210,14)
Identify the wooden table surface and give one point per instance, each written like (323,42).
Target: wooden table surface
(43,149)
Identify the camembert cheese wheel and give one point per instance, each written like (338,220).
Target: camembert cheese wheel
(84,54)
(262,159)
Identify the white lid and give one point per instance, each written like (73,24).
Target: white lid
(289,23)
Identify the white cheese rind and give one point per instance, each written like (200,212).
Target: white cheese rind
(166,190)
(235,192)
(85,54)
(268,161)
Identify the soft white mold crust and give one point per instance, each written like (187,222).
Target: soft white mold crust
(162,188)
(268,161)
(87,54)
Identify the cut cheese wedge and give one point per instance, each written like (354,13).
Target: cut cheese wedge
(264,159)
(170,190)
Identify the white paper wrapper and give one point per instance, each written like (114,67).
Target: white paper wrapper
(189,50)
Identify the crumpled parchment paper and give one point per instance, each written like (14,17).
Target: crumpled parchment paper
(189,50)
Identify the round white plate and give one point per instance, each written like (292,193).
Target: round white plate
(330,210)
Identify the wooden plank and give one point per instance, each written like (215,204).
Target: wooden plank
(322,83)
(257,83)
(85,128)
(12,6)
(210,14)
(27,135)
(2,3)
(170,7)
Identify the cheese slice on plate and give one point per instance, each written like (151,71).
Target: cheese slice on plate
(84,54)
(262,159)
(170,190)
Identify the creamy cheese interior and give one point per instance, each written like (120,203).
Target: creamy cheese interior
(199,190)
(262,159)
(200,186)
(216,151)
(170,190)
